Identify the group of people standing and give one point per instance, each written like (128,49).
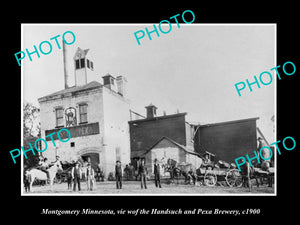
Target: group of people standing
(81,170)
(142,172)
(75,175)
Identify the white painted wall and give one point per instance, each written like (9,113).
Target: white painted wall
(116,128)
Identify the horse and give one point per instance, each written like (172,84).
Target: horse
(188,171)
(172,169)
(40,175)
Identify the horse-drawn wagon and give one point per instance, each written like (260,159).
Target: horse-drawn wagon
(221,171)
(207,174)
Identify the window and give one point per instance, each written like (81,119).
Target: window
(92,65)
(83,113)
(72,144)
(80,63)
(77,64)
(59,112)
(89,64)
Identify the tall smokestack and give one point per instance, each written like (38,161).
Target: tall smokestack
(65,66)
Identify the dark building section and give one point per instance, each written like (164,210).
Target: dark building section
(144,133)
(227,140)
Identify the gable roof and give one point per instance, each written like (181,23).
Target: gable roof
(86,51)
(83,52)
(71,90)
(228,122)
(184,148)
(157,118)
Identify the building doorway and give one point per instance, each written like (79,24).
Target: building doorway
(92,158)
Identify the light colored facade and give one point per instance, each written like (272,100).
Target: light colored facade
(167,148)
(95,114)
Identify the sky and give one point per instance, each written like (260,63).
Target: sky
(191,69)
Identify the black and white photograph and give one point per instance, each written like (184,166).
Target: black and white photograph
(109,113)
(148,112)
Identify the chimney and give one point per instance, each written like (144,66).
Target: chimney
(109,82)
(66,75)
(151,111)
(121,85)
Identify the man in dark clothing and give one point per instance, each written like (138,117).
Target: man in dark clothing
(118,175)
(99,173)
(246,175)
(27,181)
(157,173)
(143,173)
(76,175)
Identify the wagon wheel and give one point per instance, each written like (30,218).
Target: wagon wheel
(58,179)
(210,179)
(233,178)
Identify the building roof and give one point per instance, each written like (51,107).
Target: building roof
(151,105)
(71,90)
(83,52)
(228,122)
(158,118)
(86,51)
(184,148)
(109,75)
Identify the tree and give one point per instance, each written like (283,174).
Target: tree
(31,126)
(31,132)
(32,160)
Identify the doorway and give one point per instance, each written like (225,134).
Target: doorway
(92,158)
